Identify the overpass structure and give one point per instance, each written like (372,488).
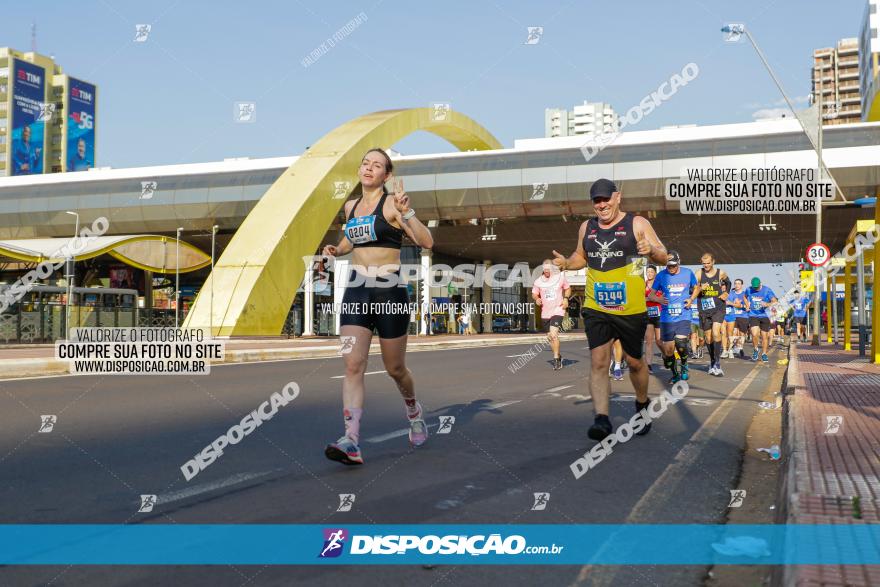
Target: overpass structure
(531,197)
(459,191)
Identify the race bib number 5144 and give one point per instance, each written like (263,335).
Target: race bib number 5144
(610,295)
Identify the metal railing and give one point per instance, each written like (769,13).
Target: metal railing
(40,316)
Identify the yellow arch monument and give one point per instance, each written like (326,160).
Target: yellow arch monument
(255,280)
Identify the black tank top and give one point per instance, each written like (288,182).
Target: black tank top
(613,285)
(610,248)
(710,289)
(373,230)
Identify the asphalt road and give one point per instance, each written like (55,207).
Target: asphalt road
(514,434)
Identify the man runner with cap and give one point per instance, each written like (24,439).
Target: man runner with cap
(675,288)
(614,302)
(759,297)
(714,285)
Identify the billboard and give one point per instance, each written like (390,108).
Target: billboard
(80,139)
(28,126)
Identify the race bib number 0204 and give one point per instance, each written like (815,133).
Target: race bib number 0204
(361,230)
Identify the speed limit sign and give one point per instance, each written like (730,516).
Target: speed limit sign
(818,254)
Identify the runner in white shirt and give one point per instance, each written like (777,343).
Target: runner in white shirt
(551,291)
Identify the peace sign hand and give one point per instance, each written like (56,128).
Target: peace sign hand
(401,200)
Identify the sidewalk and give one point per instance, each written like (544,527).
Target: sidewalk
(833,472)
(36,360)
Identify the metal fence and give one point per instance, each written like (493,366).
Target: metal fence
(40,316)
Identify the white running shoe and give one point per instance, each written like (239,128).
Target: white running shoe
(418,430)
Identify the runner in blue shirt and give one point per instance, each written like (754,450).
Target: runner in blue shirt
(737,318)
(675,287)
(800,315)
(759,297)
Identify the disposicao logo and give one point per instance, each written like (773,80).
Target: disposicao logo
(334,542)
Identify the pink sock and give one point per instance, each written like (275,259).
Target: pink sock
(413,408)
(352,418)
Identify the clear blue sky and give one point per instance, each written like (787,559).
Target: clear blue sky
(171,99)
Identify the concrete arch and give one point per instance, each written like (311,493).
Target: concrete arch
(255,280)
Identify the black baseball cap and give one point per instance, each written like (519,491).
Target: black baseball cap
(673,258)
(602,188)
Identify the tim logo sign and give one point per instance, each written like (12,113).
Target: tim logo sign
(334,542)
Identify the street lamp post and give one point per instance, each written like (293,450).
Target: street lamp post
(177,279)
(817,147)
(70,265)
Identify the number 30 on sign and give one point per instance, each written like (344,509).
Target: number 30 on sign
(818,254)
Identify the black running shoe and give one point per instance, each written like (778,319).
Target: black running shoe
(557,363)
(601,428)
(639,407)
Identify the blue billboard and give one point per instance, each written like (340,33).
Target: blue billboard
(80,139)
(28,126)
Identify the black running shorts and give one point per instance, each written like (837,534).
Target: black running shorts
(552,321)
(742,324)
(761,322)
(715,316)
(371,306)
(601,327)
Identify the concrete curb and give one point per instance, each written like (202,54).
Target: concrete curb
(792,436)
(34,367)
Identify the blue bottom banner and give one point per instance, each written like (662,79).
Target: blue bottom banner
(528,544)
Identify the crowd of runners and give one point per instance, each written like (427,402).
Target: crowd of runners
(637,297)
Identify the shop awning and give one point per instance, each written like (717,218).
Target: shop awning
(150,252)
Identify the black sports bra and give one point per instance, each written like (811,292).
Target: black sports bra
(373,230)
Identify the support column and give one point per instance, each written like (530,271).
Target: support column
(425,288)
(860,300)
(832,315)
(829,307)
(875,305)
(340,280)
(148,289)
(309,302)
(847,305)
(487,298)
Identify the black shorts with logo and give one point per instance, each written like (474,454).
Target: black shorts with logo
(552,321)
(602,327)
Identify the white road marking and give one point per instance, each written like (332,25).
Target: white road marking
(395,434)
(677,469)
(206,487)
(497,405)
(367,373)
(560,388)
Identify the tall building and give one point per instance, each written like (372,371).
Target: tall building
(589,118)
(836,74)
(47,118)
(869,62)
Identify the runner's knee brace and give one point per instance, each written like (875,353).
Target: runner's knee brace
(681,345)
